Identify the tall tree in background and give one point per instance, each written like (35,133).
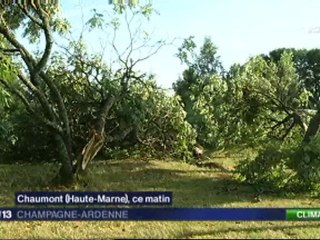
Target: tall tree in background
(201,89)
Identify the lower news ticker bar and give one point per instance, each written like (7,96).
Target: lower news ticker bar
(158,214)
(145,214)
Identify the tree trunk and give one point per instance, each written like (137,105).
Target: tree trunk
(313,128)
(66,170)
(97,135)
(103,113)
(300,121)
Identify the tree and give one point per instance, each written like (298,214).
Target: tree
(5,125)
(270,97)
(202,89)
(279,102)
(306,63)
(37,85)
(308,69)
(203,64)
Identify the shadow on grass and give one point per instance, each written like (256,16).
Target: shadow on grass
(23,177)
(192,187)
(239,229)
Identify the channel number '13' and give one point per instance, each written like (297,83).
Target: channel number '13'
(5,214)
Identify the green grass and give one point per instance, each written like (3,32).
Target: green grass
(191,186)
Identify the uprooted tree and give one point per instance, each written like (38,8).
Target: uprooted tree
(275,101)
(30,78)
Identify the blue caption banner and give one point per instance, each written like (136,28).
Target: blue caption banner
(162,214)
(87,198)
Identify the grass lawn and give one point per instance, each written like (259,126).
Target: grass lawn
(191,186)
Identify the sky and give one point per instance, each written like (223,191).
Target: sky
(239,28)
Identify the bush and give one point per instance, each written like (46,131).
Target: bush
(282,166)
(306,163)
(159,128)
(269,169)
(27,140)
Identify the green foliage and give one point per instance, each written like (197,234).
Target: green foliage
(186,51)
(7,104)
(276,97)
(6,128)
(264,100)
(31,31)
(61,25)
(308,69)
(156,120)
(202,91)
(13,15)
(30,142)
(208,110)
(16,19)
(143,7)
(269,170)
(96,21)
(284,166)
(146,121)
(252,103)
(21,138)
(124,2)
(205,62)
(306,162)
(159,120)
